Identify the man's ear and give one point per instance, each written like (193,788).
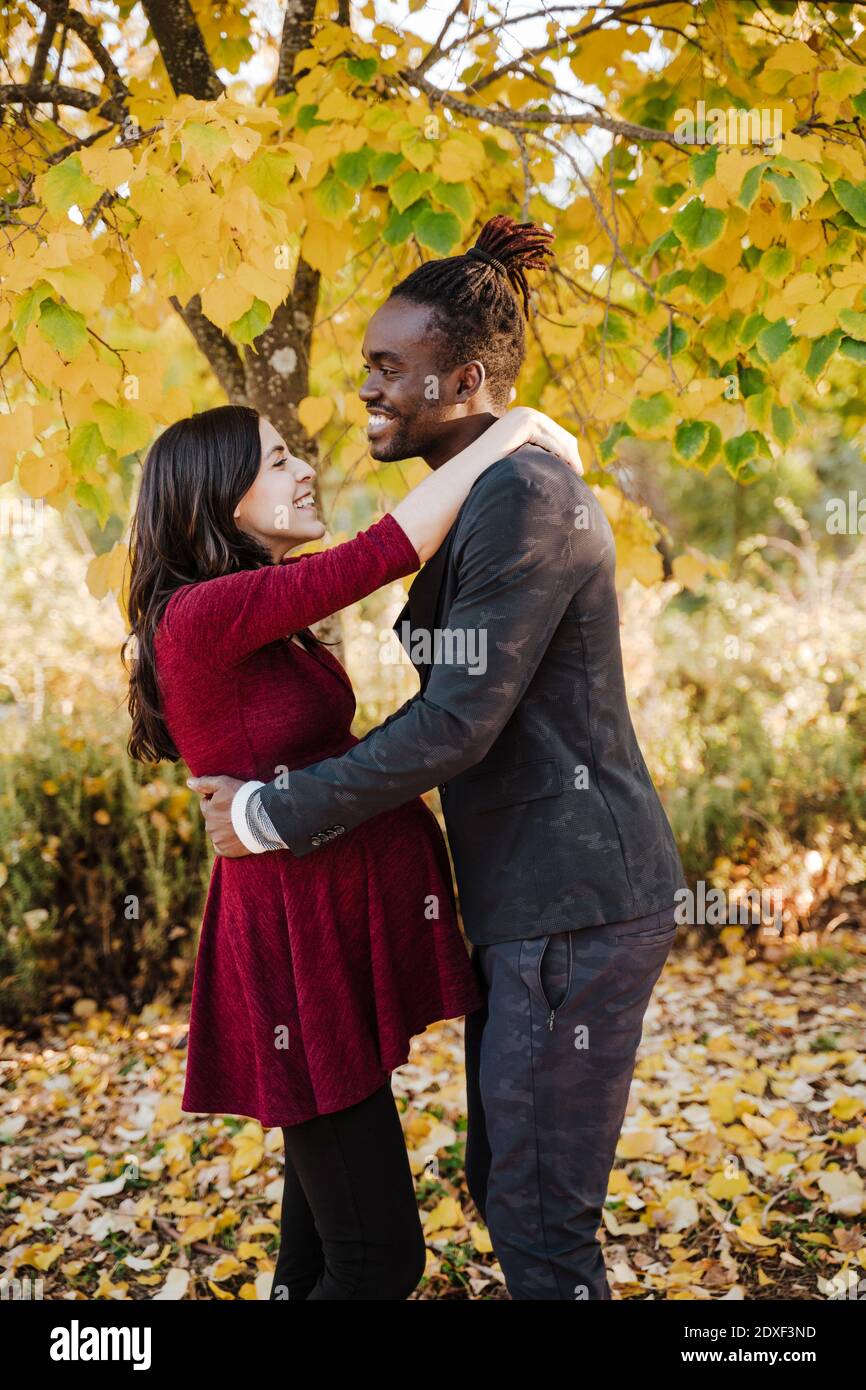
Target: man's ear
(470,381)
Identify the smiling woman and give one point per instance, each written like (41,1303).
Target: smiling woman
(279,508)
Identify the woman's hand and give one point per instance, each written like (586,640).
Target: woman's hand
(523,425)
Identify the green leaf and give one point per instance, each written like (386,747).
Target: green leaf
(95,499)
(333,199)
(651,412)
(613,328)
(269,173)
(783,423)
(672,339)
(123,430)
(307,117)
(774,340)
(752,380)
(759,405)
(410,187)
(64,328)
(852,197)
(363,69)
(720,337)
(353,167)
(67,184)
(699,226)
(707,284)
(672,280)
(86,446)
(854,324)
(703,165)
(821,352)
(776,263)
(810,181)
(251,324)
(752,326)
(455,196)
(607,447)
(27,309)
(666,241)
(742,452)
(439,231)
(713,446)
(691,438)
(399,224)
(667,195)
(789,187)
(383,164)
(751,183)
(854,350)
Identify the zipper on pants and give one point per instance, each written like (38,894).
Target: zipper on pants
(552,1014)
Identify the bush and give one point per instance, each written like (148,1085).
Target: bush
(750,702)
(105,869)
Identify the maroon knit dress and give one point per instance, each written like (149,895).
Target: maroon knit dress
(313,972)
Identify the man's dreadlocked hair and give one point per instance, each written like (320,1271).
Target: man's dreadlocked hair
(481,299)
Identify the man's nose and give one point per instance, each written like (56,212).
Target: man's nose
(368,390)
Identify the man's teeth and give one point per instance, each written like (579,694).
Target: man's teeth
(377,419)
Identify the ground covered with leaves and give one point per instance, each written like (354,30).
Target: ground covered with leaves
(739,1172)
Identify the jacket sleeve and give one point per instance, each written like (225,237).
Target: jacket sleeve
(519,560)
(221,621)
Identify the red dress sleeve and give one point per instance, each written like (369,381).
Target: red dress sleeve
(223,620)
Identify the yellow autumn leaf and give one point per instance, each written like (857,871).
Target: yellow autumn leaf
(724,1188)
(225,301)
(480,1237)
(314,412)
(248,1151)
(721,1100)
(749,1236)
(40,476)
(636,1143)
(224,1268)
(846,1107)
(444,1215)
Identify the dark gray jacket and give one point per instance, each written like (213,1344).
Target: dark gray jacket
(552,817)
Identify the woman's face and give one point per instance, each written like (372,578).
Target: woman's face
(279,509)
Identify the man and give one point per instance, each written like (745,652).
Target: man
(565,862)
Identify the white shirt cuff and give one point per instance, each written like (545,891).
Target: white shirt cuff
(239,817)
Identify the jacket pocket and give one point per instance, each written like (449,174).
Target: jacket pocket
(487,791)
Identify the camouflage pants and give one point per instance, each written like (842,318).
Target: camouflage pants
(549,1064)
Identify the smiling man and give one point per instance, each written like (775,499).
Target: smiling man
(565,862)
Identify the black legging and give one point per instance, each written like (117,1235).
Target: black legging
(349,1227)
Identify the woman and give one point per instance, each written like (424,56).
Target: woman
(312,975)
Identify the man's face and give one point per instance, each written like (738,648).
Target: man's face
(411,402)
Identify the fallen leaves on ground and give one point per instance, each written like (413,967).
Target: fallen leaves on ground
(739,1171)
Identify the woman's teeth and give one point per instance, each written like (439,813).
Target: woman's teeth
(304,503)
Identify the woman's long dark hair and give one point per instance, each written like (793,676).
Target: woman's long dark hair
(183,531)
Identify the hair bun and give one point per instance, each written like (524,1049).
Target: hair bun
(513,248)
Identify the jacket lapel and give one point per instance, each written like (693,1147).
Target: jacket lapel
(421,609)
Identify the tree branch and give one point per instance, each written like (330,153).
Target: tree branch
(58,94)
(182,49)
(518,120)
(297,31)
(89,36)
(219,350)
